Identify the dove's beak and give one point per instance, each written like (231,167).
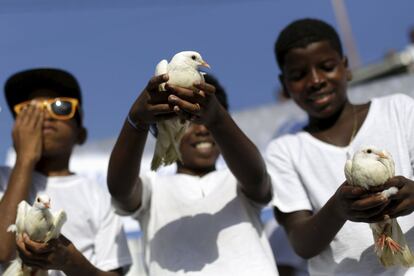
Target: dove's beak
(382,155)
(47,205)
(205,64)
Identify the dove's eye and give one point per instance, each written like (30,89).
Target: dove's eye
(369,151)
(193,57)
(38,200)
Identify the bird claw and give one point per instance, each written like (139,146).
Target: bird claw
(385,241)
(381,242)
(393,245)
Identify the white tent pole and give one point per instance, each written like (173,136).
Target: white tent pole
(346,32)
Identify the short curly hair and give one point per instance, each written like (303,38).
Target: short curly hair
(300,33)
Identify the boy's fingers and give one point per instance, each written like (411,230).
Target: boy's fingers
(187,94)
(369,203)
(35,247)
(364,215)
(182,114)
(161,109)
(351,192)
(206,87)
(154,82)
(191,108)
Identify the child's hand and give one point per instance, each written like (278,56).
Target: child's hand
(199,105)
(152,105)
(357,204)
(402,203)
(54,254)
(27,134)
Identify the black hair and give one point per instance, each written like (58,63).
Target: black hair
(20,85)
(300,33)
(221,94)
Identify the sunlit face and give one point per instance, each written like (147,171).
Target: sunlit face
(58,136)
(316,77)
(198,149)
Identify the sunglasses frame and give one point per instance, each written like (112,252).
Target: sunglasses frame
(48,104)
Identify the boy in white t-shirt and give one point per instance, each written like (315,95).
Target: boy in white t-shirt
(46,103)
(199,221)
(319,210)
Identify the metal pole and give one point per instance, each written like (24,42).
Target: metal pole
(346,31)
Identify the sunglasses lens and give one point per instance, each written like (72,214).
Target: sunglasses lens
(62,108)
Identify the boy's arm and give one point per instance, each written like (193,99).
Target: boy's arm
(58,254)
(310,233)
(27,138)
(242,157)
(123,179)
(240,154)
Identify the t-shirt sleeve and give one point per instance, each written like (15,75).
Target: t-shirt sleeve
(146,181)
(405,106)
(111,246)
(289,194)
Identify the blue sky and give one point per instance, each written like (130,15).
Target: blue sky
(113,47)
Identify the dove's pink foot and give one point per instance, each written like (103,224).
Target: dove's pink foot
(381,242)
(384,240)
(393,245)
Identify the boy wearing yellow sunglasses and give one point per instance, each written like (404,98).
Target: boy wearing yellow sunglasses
(46,104)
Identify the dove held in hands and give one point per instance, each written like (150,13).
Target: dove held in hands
(182,71)
(371,167)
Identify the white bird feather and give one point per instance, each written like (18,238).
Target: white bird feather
(371,167)
(40,225)
(182,71)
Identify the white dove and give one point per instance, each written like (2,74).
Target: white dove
(373,167)
(182,71)
(40,225)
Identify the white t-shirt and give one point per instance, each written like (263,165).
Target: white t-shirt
(92,226)
(201,226)
(306,172)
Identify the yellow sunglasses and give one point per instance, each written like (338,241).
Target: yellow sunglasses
(59,108)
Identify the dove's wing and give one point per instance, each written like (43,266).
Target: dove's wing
(348,172)
(22,210)
(161,68)
(58,221)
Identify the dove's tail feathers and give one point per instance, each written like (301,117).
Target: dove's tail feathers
(167,149)
(169,157)
(16,268)
(391,246)
(156,162)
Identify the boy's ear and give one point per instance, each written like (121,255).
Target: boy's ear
(348,71)
(284,90)
(82,136)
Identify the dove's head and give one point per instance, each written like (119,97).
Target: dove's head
(371,152)
(42,202)
(190,58)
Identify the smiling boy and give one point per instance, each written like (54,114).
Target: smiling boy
(318,209)
(199,221)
